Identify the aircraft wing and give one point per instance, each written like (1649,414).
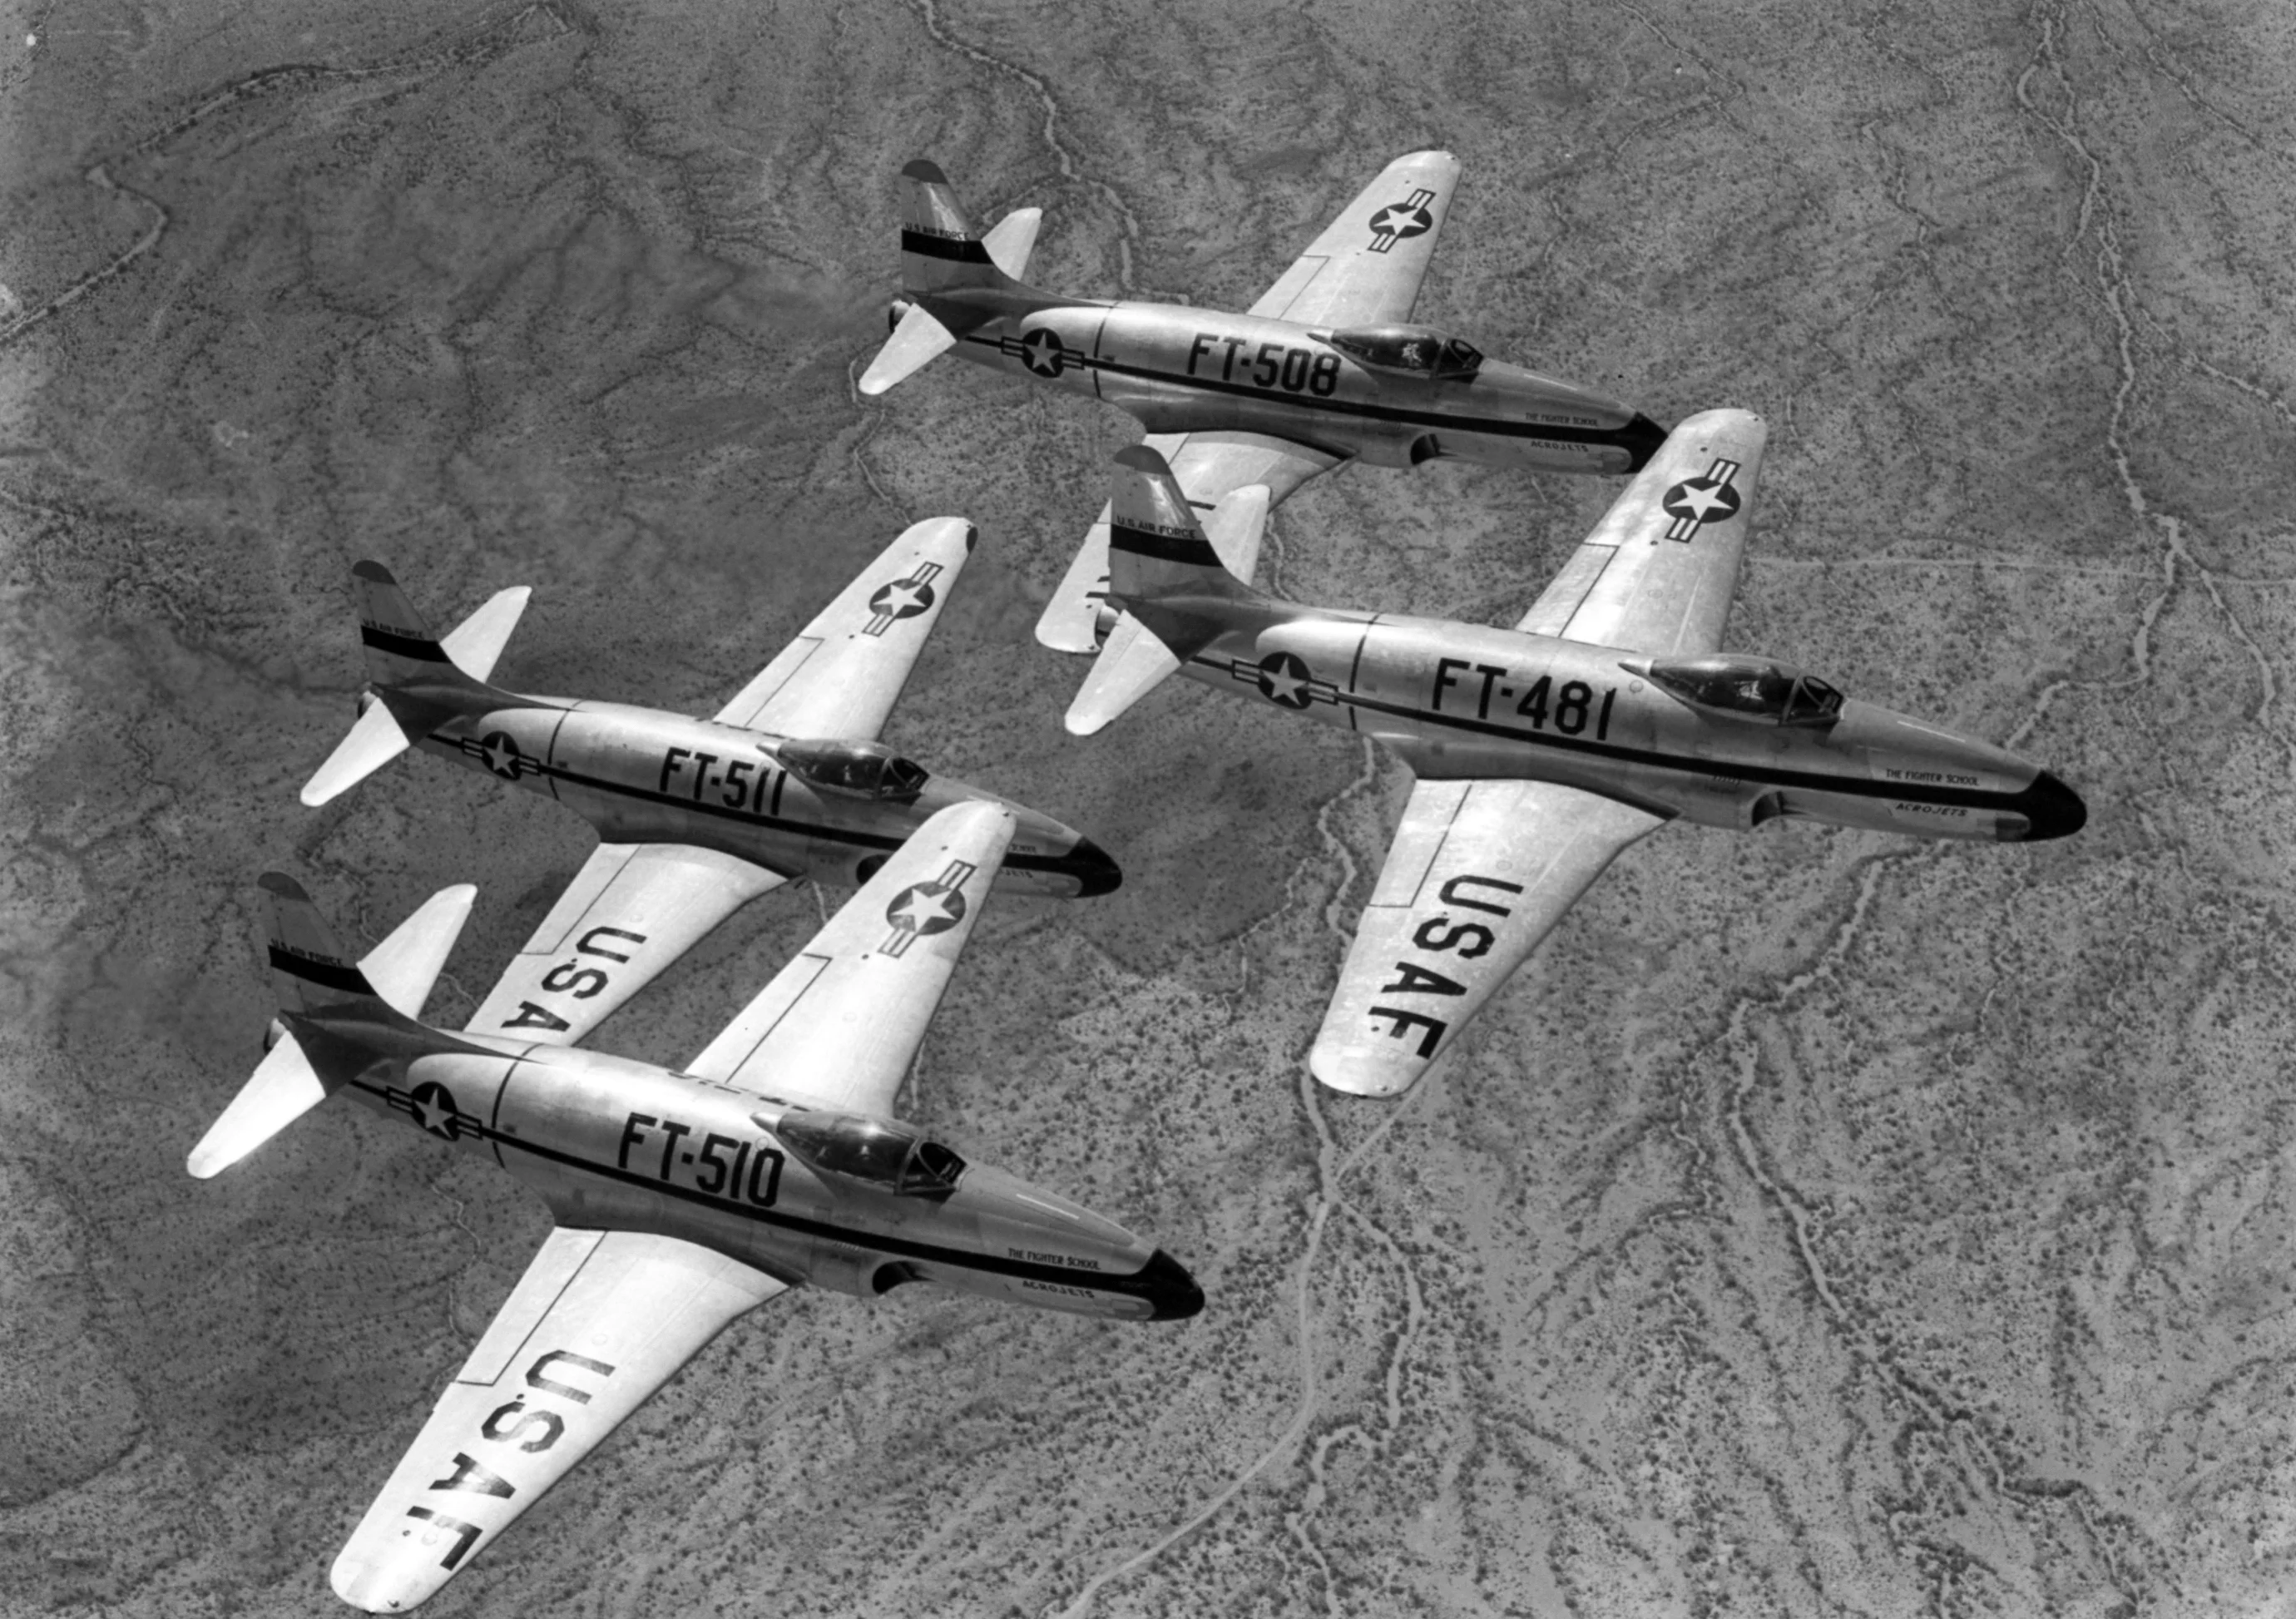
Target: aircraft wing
(1478,874)
(1366,266)
(598,1322)
(839,1024)
(1658,573)
(631,910)
(1211,466)
(842,675)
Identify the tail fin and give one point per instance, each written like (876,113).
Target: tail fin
(1167,578)
(938,247)
(401,650)
(310,973)
(1156,547)
(399,642)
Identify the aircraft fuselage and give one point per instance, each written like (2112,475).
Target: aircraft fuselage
(617,1145)
(1462,701)
(643,776)
(1181,369)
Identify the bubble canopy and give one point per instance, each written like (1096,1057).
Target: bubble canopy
(892,1157)
(856,770)
(1420,349)
(1747,687)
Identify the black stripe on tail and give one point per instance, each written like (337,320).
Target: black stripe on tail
(1189,549)
(328,974)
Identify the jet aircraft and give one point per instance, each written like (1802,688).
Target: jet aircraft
(698,817)
(1324,368)
(1543,751)
(682,1199)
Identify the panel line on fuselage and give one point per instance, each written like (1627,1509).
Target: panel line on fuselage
(1402,414)
(827,833)
(1770,776)
(904,1247)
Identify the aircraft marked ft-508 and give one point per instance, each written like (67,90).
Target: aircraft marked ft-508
(682,1199)
(1545,750)
(1323,369)
(697,817)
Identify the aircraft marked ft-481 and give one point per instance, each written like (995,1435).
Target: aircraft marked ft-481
(682,1199)
(1321,370)
(1543,751)
(697,817)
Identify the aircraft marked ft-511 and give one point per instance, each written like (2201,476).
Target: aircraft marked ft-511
(1321,370)
(698,817)
(682,1199)
(1545,750)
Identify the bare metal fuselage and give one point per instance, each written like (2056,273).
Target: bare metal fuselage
(1461,701)
(612,1143)
(1180,369)
(643,776)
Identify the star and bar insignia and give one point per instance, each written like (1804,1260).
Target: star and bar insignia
(1401,221)
(499,753)
(904,598)
(432,1106)
(1284,679)
(1695,502)
(923,909)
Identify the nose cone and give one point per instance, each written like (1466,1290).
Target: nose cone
(1641,437)
(1092,868)
(1171,1293)
(2051,808)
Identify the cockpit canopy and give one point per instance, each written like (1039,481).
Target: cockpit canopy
(891,1157)
(1751,688)
(1418,350)
(856,770)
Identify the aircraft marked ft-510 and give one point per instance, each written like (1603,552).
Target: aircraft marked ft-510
(1545,750)
(698,817)
(682,1199)
(1321,370)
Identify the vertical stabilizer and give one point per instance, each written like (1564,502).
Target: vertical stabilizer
(938,247)
(401,652)
(399,642)
(309,969)
(1156,547)
(1175,594)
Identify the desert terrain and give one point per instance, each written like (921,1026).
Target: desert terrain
(1823,1223)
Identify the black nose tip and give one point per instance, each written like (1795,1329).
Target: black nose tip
(1642,438)
(2051,808)
(1089,864)
(1170,1291)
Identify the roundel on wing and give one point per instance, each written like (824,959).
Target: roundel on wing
(1402,221)
(926,908)
(435,1109)
(1283,678)
(1700,500)
(904,598)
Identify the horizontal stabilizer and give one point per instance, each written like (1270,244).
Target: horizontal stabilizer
(476,642)
(918,339)
(284,1089)
(1132,664)
(1012,239)
(374,743)
(1235,529)
(404,966)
